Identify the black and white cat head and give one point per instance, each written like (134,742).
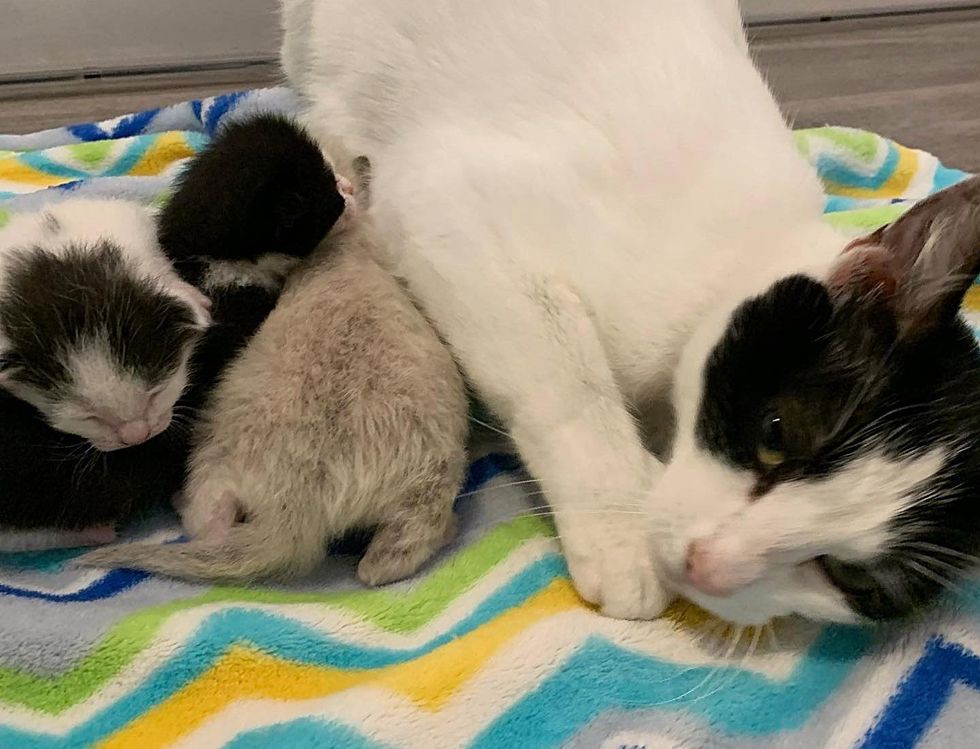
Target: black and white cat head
(96,329)
(827,461)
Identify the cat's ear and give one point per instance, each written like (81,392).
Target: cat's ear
(923,263)
(199,303)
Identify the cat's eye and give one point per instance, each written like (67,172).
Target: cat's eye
(771,451)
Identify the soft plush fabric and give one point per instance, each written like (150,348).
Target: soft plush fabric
(489,647)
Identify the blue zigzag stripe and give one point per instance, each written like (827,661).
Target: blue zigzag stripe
(305,733)
(220,106)
(922,695)
(480,472)
(43,163)
(134,124)
(110,585)
(832,169)
(603,677)
(87,132)
(749,704)
(287,639)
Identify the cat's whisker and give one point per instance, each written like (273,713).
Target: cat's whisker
(746,656)
(541,492)
(187,412)
(491,427)
(929,574)
(937,549)
(854,403)
(570,512)
(875,424)
(934,561)
(770,629)
(496,488)
(736,639)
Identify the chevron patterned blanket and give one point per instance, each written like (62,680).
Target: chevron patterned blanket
(488,648)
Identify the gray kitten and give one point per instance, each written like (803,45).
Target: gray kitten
(345,411)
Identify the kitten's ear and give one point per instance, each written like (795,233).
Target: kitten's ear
(923,263)
(199,303)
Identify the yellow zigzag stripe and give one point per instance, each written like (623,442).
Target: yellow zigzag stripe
(972,300)
(166,149)
(12,170)
(895,186)
(429,681)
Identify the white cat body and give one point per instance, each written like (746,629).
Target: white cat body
(574,193)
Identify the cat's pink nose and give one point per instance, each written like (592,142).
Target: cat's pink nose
(706,571)
(134,432)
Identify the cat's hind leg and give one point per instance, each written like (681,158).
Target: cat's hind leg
(418,526)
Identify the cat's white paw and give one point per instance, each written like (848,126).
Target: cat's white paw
(612,567)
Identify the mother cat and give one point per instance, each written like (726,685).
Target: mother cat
(602,210)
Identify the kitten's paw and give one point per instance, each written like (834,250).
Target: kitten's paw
(612,567)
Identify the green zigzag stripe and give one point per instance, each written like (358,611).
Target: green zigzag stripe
(860,143)
(866,219)
(393,611)
(91,154)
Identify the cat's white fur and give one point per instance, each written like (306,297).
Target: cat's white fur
(577,195)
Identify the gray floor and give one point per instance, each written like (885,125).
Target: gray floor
(916,79)
(26,107)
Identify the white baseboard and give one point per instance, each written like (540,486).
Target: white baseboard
(52,38)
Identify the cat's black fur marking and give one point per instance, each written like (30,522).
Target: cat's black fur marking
(262,186)
(88,294)
(811,358)
(48,478)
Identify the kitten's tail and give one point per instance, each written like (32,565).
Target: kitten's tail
(247,552)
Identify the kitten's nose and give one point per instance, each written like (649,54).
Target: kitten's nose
(704,570)
(134,432)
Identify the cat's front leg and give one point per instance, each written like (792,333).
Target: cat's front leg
(553,385)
